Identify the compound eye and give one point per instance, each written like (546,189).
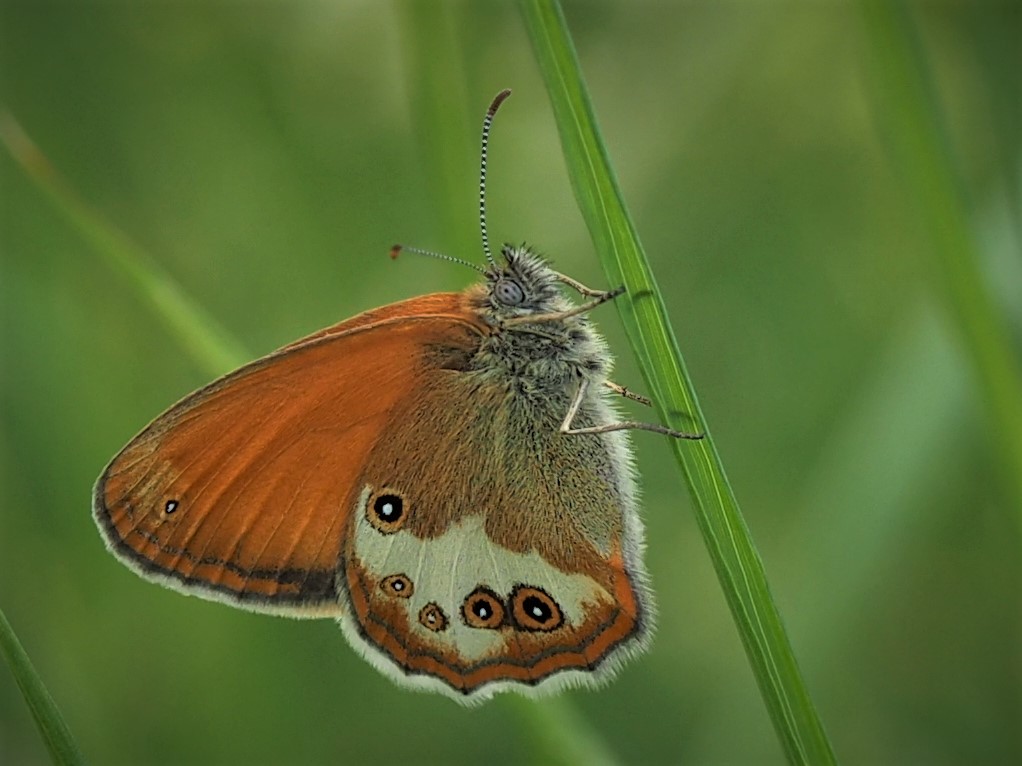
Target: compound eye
(509,292)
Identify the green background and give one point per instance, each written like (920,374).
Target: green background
(267,155)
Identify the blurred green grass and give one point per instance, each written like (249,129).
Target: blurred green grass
(268,155)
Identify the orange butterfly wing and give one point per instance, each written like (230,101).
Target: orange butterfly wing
(241,491)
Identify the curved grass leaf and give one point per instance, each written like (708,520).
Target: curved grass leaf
(194,328)
(55,733)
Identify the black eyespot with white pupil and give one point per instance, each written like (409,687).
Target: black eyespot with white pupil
(388,508)
(509,292)
(386,512)
(537,609)
(397,585)
(534,609)
(432,618)
(483,608)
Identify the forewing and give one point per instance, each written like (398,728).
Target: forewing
(241,491)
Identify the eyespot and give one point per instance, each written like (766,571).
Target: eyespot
(170,507)
(509,292)
(433,618)
(397,585)
(482,608)
(534,609)
(386,512)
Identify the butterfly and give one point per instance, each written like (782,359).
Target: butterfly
(446,476)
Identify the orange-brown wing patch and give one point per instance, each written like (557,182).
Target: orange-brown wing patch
(242,490)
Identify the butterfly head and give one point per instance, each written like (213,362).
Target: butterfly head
(520,283)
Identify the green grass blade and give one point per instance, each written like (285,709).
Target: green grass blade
(197,331)
(57,736)
(909,113)
(644,316)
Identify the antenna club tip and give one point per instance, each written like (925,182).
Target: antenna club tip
(395,251)
(498,100)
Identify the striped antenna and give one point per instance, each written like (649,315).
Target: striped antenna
(397,249)
(487,121)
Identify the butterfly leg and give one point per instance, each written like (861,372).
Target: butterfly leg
(555,316)
(628,425)
(578,286)
(622,391)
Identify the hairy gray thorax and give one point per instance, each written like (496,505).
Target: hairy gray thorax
(548,359)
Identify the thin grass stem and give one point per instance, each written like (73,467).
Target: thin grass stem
(54,730)
(644,315)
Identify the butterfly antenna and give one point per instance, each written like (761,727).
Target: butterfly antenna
(487,122)
(396,250)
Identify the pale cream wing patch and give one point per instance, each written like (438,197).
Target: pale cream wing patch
(461,614)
